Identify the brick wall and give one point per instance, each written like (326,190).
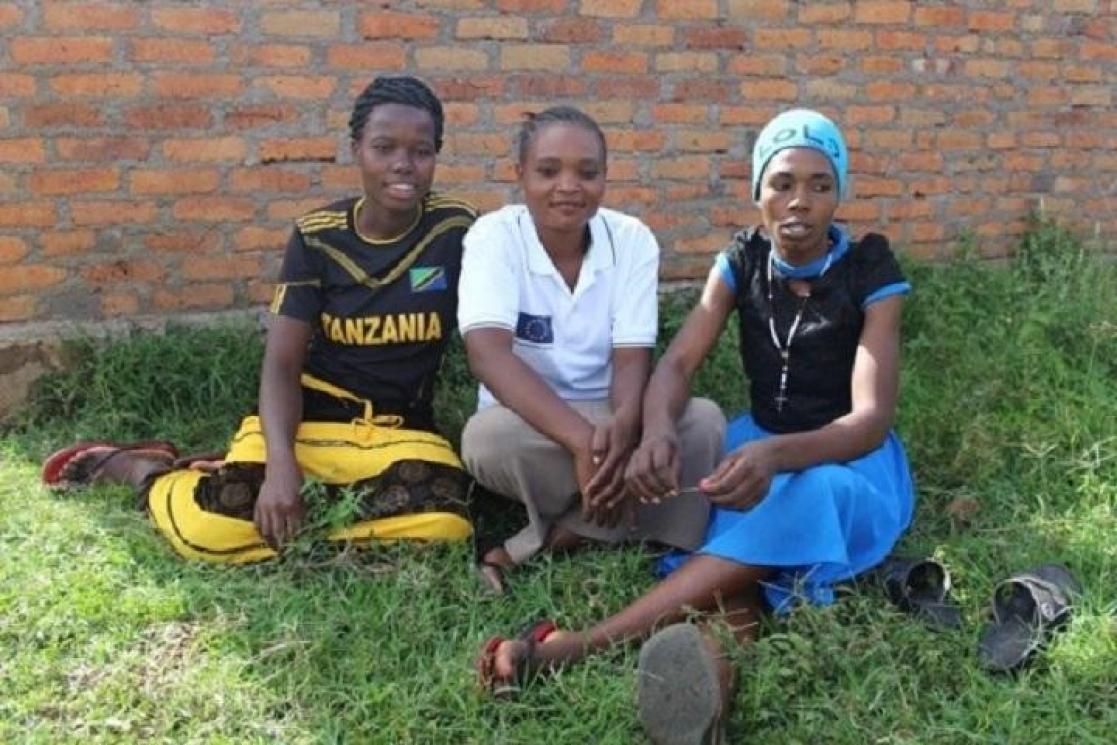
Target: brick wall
(153,154)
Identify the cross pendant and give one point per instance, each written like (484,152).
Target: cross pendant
(781,399)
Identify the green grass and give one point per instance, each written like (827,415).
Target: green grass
(1009,406)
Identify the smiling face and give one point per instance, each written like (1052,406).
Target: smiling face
(798,198)
(563,177)
(396,156)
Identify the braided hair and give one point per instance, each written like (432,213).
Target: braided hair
(401,89)
(556,115)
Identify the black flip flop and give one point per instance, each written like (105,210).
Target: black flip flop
(921,587)
(1027,608)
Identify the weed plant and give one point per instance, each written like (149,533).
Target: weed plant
(1009,410)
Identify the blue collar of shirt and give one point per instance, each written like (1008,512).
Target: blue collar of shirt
(839,247)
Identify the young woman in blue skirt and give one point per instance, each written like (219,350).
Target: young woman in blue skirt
(814,486)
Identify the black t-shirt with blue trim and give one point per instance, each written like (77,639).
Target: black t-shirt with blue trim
(854,275)
(382,311)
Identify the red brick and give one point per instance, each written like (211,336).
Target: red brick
(686,167)
(703,89)
(186,51)
(909,210)
(784,38)
(320,23)
(197,85)
(208,21)
(753,10)
(60,50)
(676,113)
(704,244)
(461,114)
(369,56)
(610,8)
(18,308)
(546,86)
(572,31)
(844,39)
(197,297)
(823,64)
(260,115)
(102,148)
(169,116)
(746,115)
(110,84)
(686,62)
(273,55)
(123,270)
(829,88)
(476,143)
(214,209)
(223,267)
(188,241)
(253,238)
(149,182)
(44,182)
(456,173)
(27,214)
(491,27)
(451,58)
(270,179)
(534,56)
(90,16)
(887,91)
(628,86)
(765,66)
(298,149)
(314,87)
(644,35)
(112,212)
(773,89)
(470,88)
(890,39)
(12,249)
(63,115)
(618,62)
(29,277)
(967,44)
(204,149)
(817,13)
(631,139)
(855,115)
(718,37)
(1099,52)
(692,10)
(67,242)
(16,85)
(702,141)
(288,209)
(22,150)
(987,68)
(983,20)
(958,140)
(114,304)
(386,25)
(10,15)
(881,11)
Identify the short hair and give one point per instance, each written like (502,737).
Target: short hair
(401,89)
(556,115)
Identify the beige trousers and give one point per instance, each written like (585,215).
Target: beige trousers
(507,456)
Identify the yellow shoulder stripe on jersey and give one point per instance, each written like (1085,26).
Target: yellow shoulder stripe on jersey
(361,276)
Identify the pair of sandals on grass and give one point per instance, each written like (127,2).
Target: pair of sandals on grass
(1027,607)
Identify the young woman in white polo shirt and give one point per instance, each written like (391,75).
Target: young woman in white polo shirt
(558,309)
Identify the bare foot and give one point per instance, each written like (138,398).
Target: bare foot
(493,566)
(112,465)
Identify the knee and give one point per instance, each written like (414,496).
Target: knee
(489,437)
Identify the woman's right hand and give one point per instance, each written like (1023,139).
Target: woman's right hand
(280,510)
(653,470)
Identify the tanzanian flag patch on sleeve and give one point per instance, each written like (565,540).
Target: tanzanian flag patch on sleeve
(427,278)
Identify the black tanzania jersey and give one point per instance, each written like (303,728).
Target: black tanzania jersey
(382,311)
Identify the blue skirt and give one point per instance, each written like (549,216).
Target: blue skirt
(816,527)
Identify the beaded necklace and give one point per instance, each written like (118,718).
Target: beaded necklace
(784,347)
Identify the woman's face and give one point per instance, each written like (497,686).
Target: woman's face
(798,198)
(396,156)
(563,177)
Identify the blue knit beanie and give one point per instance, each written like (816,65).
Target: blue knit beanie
(801,128)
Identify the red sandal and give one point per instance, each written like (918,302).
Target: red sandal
(57,461)
(536,634)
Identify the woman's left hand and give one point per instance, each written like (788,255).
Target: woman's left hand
(742,478)
(612,445)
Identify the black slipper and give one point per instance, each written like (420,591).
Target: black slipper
(921,587)
(1027,608)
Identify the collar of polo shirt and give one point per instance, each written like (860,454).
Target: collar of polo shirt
(599,256)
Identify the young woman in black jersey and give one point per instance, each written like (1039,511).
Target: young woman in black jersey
(359,324)
(814,487)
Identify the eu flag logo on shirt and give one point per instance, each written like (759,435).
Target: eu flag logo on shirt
(427,278)
(535,329)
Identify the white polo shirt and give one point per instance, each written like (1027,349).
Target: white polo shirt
(508,281)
